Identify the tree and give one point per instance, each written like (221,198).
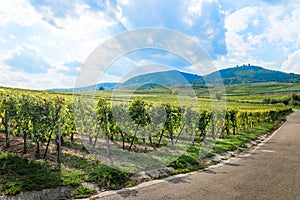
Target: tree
(118,124)
(139,113)
(23,118)
(203,122)
(191,118)
(54,123)
(173,121)
(157,116)
(39,114)
(101,88)
(9,111)
(285,102)
(219,95)
(69,121)
(104,115)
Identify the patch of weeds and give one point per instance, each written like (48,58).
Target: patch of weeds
(72,177)
(198,139)
(75,145)
(88,169)
(82,192)
(184,161)
(223,146)
(11,188)
(206,153)
(20,174)
(194,150)
(107,178)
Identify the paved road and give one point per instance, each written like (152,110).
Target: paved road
(270,172)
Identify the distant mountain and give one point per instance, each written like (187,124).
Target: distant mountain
(168,78)
(99,86)
(250,74)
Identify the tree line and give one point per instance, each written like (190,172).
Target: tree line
(294,100)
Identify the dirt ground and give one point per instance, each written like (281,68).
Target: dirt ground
(16,147)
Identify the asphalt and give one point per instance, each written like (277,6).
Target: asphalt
(269,171)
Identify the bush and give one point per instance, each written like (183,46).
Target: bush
(11,188)
(20,174)
(184,161)
(82,192)
(108,178)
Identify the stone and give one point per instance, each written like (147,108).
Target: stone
(248,145)
(217,159)
(46,194)
(93,186)
(153,173)
(141,177)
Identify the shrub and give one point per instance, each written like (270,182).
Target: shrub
(82,192)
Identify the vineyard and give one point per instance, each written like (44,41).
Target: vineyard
(51,123)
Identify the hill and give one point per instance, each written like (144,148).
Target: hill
(99,86)
(167,78)
(236,75)
(251,74)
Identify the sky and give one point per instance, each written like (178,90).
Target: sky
(45,43)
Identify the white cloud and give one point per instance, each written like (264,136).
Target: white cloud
(240,19)
(124,2)
(28,59)
(18,11)
(79,36)
(49,79)
(284,25)
(292,64)
(45,37)
(262,35)
(195,7)
(235,23)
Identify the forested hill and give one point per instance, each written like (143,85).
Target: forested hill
(234,75)
(171,77)
(251,74)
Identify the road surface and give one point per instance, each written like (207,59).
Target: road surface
(271,171)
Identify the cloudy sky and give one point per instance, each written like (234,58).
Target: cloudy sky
(44,43)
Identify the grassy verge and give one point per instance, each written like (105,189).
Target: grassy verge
(192,161)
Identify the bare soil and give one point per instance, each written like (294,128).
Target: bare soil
(16,147)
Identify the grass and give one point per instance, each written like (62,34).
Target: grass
(82,192)
(21,174)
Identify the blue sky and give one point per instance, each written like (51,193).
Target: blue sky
(43,44)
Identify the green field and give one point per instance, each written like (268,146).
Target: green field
(239,96)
